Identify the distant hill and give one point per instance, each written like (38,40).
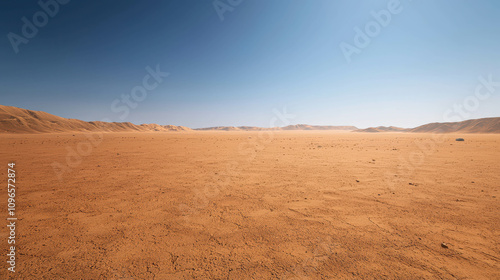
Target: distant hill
(383,129)
(290,127)
(318,127)
(220,128)
(17,120)
(486,125)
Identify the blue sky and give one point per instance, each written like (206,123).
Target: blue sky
(263,55)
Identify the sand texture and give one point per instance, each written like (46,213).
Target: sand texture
(249,205)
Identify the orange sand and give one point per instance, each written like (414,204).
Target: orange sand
(230,205)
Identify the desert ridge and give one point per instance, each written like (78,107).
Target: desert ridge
(289,127)
(484,125)
(17,120)
(383,129)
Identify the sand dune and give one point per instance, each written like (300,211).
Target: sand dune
(310,203)
(17,120)
(289,127)
(318,127)
(382,129)
(485,125)
(220,128)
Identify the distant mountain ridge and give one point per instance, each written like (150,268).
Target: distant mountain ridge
(318,127)
(484,125)
(17,120)
(289,127)
(383,129)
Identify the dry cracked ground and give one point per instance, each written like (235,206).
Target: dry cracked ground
(250,205)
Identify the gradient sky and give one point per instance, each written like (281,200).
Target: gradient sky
(264,55)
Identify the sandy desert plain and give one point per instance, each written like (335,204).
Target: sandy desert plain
(249,205)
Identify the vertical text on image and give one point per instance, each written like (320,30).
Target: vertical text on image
(11,219)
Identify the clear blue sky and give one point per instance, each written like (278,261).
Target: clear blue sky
(264,54)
